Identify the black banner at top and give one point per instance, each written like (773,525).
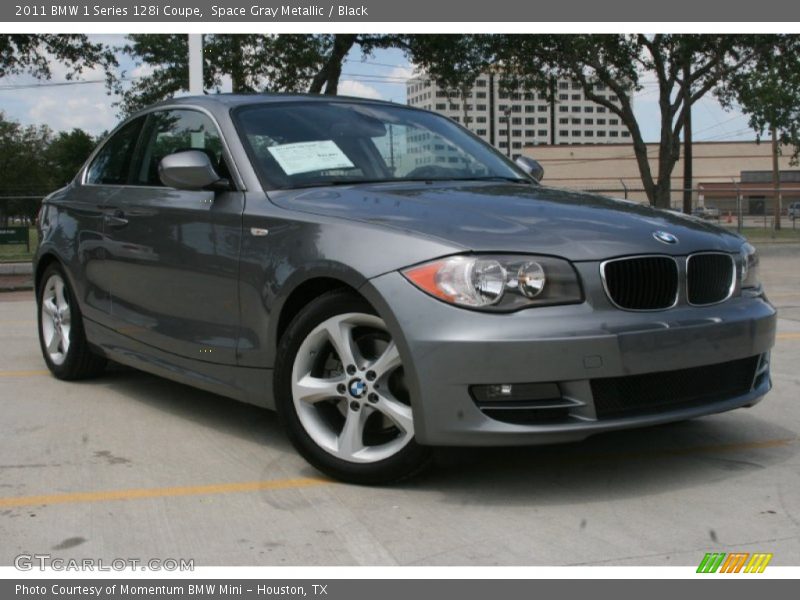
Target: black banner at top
(324,11)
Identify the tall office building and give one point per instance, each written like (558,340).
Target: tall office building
(511,121)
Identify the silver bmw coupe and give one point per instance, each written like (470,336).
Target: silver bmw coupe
(389,283)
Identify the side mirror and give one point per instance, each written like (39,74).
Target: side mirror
(189,170)
(530,166)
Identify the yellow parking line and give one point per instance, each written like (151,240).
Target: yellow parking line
(304,482)
(136,494)
(30,373)
(794,335)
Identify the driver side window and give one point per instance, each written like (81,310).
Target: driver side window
(112,165)
(171,131)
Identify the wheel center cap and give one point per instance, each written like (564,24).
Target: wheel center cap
(357,388)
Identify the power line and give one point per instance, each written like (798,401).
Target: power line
(377,64)
(29,86)
(727,135)
(718,123)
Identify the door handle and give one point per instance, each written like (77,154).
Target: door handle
(116,220)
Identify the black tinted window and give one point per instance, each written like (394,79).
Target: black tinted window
(112,164)
(315,143)
(173,131)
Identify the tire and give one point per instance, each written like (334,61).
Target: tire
(340,393)
(61,334)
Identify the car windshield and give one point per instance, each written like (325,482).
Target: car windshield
(304,144)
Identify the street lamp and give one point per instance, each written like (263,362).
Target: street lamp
(507,113)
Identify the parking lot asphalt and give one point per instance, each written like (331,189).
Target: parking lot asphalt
(133,466)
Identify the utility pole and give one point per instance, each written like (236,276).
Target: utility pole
(196,63)
(492,116)
(465,96)
(507,113)
(552,101)
(687,138)
(391,149)
(776,179)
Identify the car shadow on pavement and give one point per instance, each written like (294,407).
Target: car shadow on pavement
(250,423)
(625,463)
(630,463)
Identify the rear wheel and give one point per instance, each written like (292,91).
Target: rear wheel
(341,393)
(61,334)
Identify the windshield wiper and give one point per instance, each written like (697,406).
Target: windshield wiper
(299,186)
(337,182)
(494,178)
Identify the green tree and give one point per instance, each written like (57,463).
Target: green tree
(280,63)
(33,54)
(620,64)
(34,162)
(24,172)
(456,60)
(769,94)
(65,154)
(239,56)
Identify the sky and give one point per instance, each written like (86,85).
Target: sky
(382,75)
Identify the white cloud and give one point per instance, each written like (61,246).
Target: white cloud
(142,70)
(402,72)
(64,110)
(64,107)
(348,87)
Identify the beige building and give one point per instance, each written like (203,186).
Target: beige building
(512,121)
(721,170)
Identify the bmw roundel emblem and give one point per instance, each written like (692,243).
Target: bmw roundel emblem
(665,237)
(357,388)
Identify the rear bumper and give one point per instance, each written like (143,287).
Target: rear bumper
(447,349)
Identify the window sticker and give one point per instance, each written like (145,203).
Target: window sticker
(304,157)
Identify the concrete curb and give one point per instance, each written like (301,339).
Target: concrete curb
(24,287)
(16,268)
(16,277)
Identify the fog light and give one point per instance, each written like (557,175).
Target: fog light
(517,392)
(496,391)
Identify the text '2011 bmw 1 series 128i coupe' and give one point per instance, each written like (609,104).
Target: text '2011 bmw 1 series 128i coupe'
(389,283)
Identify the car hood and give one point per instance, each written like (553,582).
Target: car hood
(492,217)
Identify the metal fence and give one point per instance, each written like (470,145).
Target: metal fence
(735,205)
(19,210)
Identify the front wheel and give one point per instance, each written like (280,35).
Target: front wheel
(341,393)
(61,335)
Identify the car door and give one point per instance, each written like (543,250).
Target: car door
(81,217)
(173,255)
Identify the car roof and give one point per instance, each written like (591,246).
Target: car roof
(232,100)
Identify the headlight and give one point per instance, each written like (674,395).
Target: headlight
(749,270)
(498,283)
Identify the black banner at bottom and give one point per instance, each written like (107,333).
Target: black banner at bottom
(731,588)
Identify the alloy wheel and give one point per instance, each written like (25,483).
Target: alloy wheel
(348,389)
(56,319)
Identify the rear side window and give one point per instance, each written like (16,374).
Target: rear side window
(112,165)
(173,131)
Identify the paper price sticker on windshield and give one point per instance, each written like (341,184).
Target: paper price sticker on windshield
(305,157)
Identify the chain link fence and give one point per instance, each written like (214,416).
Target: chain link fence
(740,206)
(19,209)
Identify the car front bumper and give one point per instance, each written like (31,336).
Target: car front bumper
(447,349)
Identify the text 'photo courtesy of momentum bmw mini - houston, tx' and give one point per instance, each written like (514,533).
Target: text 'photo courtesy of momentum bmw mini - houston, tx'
(389,283)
